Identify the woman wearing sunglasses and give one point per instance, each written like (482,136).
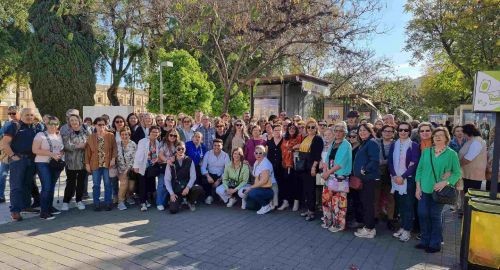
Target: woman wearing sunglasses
(124,163)
(48,145)
(310,151)
(402,163)
(237,137)
(118,124)
(180,179)
(167,155)
(261,191)
(291,187)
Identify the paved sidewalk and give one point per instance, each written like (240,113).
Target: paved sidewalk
(213,237)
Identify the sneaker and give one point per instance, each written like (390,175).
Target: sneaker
(335,229)
(54,211)
(16,216)
(47,216)
(325,226)
(231,202)
(144,207)
(148,204)
(131,201)
(405,236)
(365,233)
(398,233)
(295,206)
(65,207)
(243,204)
(209,200)
(160,207)
(284,206)
(80,205)
(122,206)
(264,209)
(30,210)
(418,236)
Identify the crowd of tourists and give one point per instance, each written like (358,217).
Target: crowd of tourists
(355,173)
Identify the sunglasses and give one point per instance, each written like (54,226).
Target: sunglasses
(352,137)
(238,125)
(170,119)
(323,125)
(311,127)
(425,130)
(220,126)
(258,153)
(172,135)
(179,149)
(404,130)
(186,122)
(119,121)
(12,113)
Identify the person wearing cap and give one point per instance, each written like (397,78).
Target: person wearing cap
(13,113)
(352,120)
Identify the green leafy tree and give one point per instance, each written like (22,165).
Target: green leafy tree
(62,57)
(185,86)
(239,104)
(465,30)
(443,86)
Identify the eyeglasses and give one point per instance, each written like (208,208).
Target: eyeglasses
(404,130)
(172,135)
(179,149)
(101,125)
(53,123)
(338,130)
(311,127)
(258,153)
(186,122)
(389,131)
(425,130)
(12,113)
(118,121)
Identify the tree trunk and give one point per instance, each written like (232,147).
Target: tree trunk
(18,88)
(113,98)
(227,95)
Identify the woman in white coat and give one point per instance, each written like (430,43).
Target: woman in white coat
(146,165)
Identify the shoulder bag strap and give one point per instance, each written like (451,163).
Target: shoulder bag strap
(432,164)
(241,167)
(48,140)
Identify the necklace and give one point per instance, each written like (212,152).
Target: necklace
(438,151)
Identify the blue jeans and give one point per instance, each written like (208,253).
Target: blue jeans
(261,196)
(406,204)
(114,186)
(48,179)
(429,214)
(161,191)
(21,180)
(96,188)
(4,171)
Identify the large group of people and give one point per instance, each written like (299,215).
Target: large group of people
(355,173)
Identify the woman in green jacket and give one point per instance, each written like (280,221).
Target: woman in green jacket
(235,177)
(438,167)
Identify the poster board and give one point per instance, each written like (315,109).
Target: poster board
(487,91)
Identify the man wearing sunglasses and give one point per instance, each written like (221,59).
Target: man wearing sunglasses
(13,113)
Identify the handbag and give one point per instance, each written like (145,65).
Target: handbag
(355,182)
(299,161)
(131,175)
(232,182)
(337,184)
(153,171)
(58,164)
(447,195)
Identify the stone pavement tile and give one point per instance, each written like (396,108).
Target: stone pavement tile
(5,266)
(14,261)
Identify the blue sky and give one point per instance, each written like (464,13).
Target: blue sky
(391,44)
(393,19)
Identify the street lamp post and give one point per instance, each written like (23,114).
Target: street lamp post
(163,64)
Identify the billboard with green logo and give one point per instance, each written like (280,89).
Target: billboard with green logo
(487,91)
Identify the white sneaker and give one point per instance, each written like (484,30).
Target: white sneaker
(231,202)
(80,206)
(192,207)
(130,201)
(122,206)
(405,236)
(398,233)
(335,229)
(144,207)
(264,209)
(243,204)
(65,207)
(365,233)
(148,204)
(295,206)
(160,207)
(209,200)
(284,206)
